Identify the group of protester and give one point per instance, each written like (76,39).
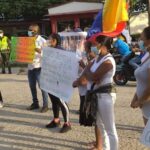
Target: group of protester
(97,75)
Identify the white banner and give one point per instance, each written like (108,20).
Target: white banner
(73,41)
(145,138)
(59,70)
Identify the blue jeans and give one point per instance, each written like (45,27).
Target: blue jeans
(135,62)
(33,78)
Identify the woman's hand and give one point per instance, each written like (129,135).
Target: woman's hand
(81,63)
(75,83)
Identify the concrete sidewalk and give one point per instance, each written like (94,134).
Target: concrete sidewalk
(25,130)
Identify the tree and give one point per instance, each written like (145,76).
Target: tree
(24,9)
(137,6)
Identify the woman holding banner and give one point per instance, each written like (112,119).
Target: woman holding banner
(142,73)
(100,73)
(57,103)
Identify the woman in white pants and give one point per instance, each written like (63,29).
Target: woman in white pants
(101,71)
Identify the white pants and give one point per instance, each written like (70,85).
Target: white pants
(106,122)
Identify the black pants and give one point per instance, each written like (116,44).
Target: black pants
(56,105)
(5,62)
(81,114)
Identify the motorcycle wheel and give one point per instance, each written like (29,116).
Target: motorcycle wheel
(120,78)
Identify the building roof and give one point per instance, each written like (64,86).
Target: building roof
(75,8)
(138,23)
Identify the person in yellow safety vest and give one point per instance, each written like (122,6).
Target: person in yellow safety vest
(5,52)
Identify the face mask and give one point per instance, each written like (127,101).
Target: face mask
(1,34)
(30,33)
(95,50)
(141,45)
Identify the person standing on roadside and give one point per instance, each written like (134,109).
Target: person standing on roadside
(34,69)
(99,74)
(141,98)
(5,52)
(57,103)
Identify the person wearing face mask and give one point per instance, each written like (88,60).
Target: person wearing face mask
(5,51)
(57,103)
(99,74)
(90,53)
(123,49)
(141,98)
(34,69)
(136,61)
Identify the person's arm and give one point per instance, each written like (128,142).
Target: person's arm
(82,80)
(146,94)
(9,44)
(100,72)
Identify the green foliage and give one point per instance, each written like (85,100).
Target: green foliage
(137,6)
(15,9)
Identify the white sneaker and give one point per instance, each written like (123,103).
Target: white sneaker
(1,104)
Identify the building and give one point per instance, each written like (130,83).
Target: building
(74,14)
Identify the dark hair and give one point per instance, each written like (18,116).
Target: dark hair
(57,38)
(104,40)
(146,32)
(88,44)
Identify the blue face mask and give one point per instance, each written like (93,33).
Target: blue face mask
(30,33)
(95,50)
(141,45)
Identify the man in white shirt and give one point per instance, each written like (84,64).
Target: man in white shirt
(34,69)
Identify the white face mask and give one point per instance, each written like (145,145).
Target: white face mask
(1,34)
(30,33)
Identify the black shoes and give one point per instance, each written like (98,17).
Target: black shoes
(44,109)
(53,124)
(66,127)
(33,106)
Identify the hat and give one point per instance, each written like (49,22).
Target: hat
(1,31)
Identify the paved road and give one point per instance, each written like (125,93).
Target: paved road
(25,130)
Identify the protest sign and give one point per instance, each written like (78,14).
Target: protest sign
(73,41)
(22,49)
(145,138)
(59,70)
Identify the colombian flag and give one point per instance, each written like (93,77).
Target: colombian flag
(110,21)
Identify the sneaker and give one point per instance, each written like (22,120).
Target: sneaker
(33,106)
(1,104)
(53,124)
(44,109)
(66,127)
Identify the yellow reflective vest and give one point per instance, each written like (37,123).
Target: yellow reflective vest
(4,44)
